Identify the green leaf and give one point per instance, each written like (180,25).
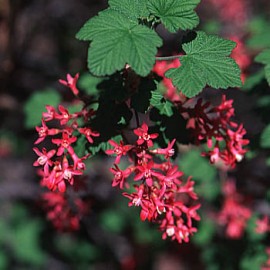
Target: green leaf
(265,137)
(264,58)
(175,14)
(133,9)
(35,105)
(163,105)
(117,41)
(206,62)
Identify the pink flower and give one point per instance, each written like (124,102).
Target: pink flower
(87,132)
(64,115)
(44,159)
(167,152)
(144,137)
(78,162)
(67,172)
(50,114)
(146,173)
(119,149)
(120,176)
(71,83)
(64,143)
(44,131)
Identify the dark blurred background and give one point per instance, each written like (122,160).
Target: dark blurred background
(37,47)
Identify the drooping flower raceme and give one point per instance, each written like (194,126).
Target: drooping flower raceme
(160,189)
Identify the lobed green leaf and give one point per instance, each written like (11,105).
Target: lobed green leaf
(175,14)
(206,62)
(164,106)
(117,41)
(133,9)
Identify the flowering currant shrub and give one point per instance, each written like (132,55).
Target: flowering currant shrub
(146,107)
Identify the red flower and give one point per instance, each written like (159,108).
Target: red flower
(146,173)
(64,144)
(120,176)
(78,162)
(44,131)
(50,114)
(167,152)
(44,159)
(87,132)
(119,149)
(144,137)
(71,83)
(64,115)
(67,172)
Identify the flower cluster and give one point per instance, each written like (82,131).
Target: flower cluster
(61,214)
(160,192)
(214,125)
(234,213)
(61,164)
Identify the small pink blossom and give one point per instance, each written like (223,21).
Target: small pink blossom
(71,83)
(44,159)
(64,143)
(144,137)
(88,132)
(119,149)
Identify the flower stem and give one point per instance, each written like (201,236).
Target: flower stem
(166,58)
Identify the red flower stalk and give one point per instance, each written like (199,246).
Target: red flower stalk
(215,124)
